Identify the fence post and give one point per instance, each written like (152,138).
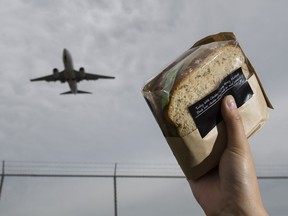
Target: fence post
(2,177)
(115,190)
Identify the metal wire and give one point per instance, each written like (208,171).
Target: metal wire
(108,170)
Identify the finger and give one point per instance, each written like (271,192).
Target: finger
(234,126)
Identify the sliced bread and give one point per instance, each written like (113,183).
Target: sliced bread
(200,77)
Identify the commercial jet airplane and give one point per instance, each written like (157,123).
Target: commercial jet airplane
(71,75)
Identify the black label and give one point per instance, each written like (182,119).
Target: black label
(207,112)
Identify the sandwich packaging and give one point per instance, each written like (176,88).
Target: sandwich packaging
(185,100)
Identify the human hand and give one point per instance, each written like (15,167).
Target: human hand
(232,189)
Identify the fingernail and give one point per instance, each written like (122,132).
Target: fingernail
(231,103)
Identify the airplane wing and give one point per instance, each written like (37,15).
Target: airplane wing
(54,77)
(89,76)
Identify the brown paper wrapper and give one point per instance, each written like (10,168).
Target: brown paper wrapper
(197,155)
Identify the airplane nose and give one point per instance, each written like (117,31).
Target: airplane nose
(65,54)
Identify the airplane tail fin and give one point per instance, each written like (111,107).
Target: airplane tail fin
(78,92)
(83,92)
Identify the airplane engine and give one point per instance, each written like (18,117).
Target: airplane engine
(82,72)
(55,73)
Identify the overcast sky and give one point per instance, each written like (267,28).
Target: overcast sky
(133,41)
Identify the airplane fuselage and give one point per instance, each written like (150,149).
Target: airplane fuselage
(69,72)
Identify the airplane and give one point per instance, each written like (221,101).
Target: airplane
(70,75)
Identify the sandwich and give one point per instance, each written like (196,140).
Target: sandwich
(185,100)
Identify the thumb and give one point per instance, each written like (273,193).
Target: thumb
(234,126)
